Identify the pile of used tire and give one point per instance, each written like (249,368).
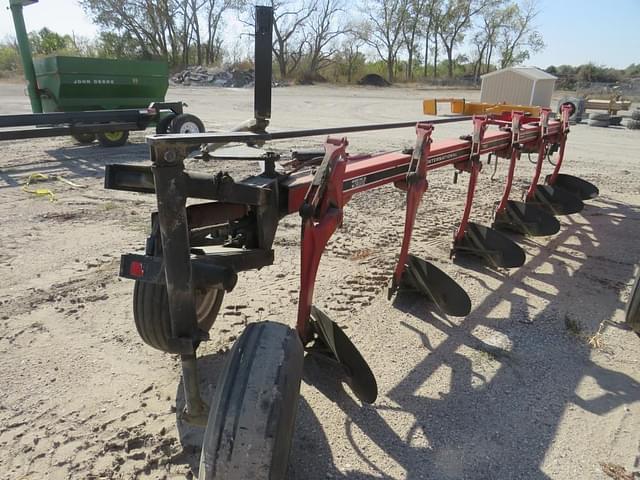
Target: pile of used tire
(599,119)
(634,122)
(604,120)
(577,108)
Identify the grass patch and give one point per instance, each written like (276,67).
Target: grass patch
(108,206)
(618,472)
(572,325)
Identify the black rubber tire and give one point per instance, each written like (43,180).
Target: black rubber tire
(599,123)
(633,124)
(113,139)
(151,312)
(603,117)
(84,138)
(164,124)
(635,114)
(632,312)
(252,418)
(572,105)
(615,120)
(186,123)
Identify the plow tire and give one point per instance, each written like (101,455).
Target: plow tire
(251,422)
(633,124)
(598,123)
(151,312)
(635,115)
(632,313)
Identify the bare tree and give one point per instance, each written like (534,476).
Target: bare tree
(289,17)
(349,55)
(172,29)
(322,28)
(430,21)
(454,22)
(214,9)
(411,30)
(486,38)
(145,20)
(383,29)
(518,36)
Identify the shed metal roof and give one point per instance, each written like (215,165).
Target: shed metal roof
(529,72)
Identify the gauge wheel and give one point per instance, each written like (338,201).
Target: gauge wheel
(151,312)
(252,418)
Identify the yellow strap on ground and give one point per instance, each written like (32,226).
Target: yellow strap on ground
(40,192)
(45,192)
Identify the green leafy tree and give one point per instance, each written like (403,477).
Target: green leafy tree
(46,42)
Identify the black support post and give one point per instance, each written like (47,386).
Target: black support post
(263,64)
(169,178)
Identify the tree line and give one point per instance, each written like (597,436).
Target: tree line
(403,39)
(310,35)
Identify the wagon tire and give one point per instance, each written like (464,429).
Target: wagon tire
(186,123)
(633,124)
(598,123)
(164,124)
(151,312)
(635,114)
(632,313)
(84,138)
(113,139)
(251,422)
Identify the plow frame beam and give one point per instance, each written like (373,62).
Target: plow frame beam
(256,204)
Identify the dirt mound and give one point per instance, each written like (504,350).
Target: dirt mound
(374,80)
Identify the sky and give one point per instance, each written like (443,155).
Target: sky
(575,31)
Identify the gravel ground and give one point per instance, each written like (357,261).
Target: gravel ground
(512,391)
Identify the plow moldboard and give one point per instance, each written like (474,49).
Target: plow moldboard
(556,200)
(526,219)
(359,375)
(437,286)
(492,246)
(580,188)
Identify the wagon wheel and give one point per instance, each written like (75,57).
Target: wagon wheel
(113,139)
(251,422)
(164,123)
(186,123)
(84,138)
(151,312)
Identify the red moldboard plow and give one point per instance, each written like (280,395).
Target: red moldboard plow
(195,252)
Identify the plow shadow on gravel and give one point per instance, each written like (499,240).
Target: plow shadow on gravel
(72,163)
(500,427)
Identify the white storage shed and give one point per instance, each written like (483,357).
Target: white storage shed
(518,86)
